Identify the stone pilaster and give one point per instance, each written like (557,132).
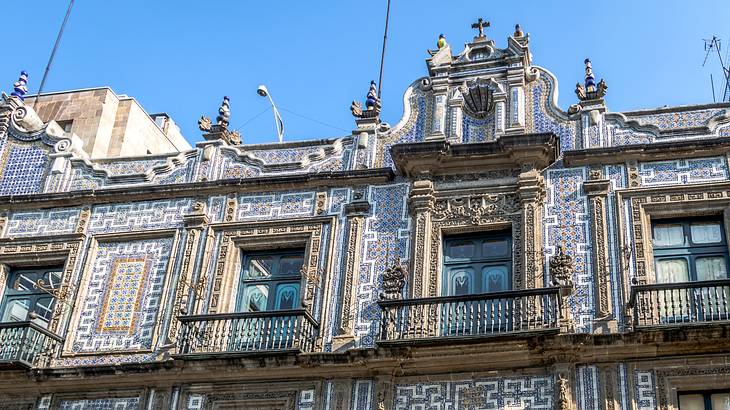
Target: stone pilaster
(531,190)
(356,212)
(516,89)
(564,383)
(608,382)
(194,222)
(420,205)
(597,189)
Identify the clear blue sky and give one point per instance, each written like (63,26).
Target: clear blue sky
(182,56)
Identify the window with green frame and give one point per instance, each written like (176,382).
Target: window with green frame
(477,263)
(22,296)
(689,249)
(270,280)
(711,400)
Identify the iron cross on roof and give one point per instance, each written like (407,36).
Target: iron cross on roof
(480,24)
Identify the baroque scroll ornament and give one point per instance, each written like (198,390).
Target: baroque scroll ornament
(394,279)
(561,268)
(477,209)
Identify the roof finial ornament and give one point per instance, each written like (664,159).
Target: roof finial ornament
(480,25)
(20,87)
(591,90)
(518,32)
(372,104)
(219,131)
(224,113)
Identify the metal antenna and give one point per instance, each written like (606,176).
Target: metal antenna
(714,44)
(385,40)
(53,53)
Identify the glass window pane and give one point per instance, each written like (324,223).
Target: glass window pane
(287,296)
(461,249)
(260,266)
(706,232)
(691,402)
(25,281)
(255,298)
(495,248)
(671,270)
(290,265)
(16,310)
(462,282)
(668,235)
(53,278)
(711,268)
(496,278)
(720,401)
(44,308)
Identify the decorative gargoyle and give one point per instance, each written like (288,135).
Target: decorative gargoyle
(394,279)
(219,131)
(590,91)
(561,268)
(372,104)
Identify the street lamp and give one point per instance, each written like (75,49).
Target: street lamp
(264,92)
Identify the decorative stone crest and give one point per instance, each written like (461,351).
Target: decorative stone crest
(477,210)
(561,268)
(479,97)
(372,104)
(590,91)
(219,131)
(394,279)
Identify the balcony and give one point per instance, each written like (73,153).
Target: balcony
(25,344)
(680,303)
(471,316)
(248,332)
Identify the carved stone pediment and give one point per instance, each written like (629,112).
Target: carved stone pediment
(477,210)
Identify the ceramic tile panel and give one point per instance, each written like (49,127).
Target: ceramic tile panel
(683,171)
(57,221)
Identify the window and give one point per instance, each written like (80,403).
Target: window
(477,263)
(704,401)
(270,281)
(23,295)
(689,250)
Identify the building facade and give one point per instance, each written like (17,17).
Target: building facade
(489,251)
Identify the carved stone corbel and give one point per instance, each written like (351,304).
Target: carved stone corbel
(597,191)
(421,204)
(531,191)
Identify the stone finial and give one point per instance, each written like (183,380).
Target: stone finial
(20,87)
(518,32)
(394,279)
(224,113)
(561,268)
(372,104)
(590,90)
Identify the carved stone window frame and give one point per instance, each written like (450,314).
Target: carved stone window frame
(646,204)
(28,252)
(86,272)
(270,235)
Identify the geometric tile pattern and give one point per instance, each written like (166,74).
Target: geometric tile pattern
(683,119)
(419,114)
(362,395)
(477,130)
(275,205)
(130,403)
(538,120)
(123,297)
(683,171)
(137,216)
(566,223)
(386,236)
(39,223)
(23,168)
(644,390)
(587,396)
(524,392)
(617,175)
(306,400)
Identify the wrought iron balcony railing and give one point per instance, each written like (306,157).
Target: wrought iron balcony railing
(248,332)
(471,316)
(26,345)
(677,303)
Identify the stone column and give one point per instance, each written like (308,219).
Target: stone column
(194,222)
(531,190)
(356,212)
(420,205)
(596,189)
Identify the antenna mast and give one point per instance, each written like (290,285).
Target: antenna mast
(714,45)
(55,47)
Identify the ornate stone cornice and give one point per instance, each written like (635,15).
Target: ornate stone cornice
(509,151)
